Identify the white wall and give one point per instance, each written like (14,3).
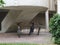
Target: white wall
(51,5)
(27,3)
(58,6)
(41,3)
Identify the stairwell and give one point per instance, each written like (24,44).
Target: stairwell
(13,16)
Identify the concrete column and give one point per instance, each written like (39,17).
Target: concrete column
(47,20)
(58,6)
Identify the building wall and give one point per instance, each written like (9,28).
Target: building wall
(40,18)
(43,3)
(58,6)
(51,5)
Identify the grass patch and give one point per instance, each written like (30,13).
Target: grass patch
(23,44)
(17,44)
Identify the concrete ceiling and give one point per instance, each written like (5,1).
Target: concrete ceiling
(24,8)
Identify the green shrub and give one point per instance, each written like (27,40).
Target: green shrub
(2,3)
(55,28)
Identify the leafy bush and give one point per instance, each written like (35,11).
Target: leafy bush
(2,3)
(55,28)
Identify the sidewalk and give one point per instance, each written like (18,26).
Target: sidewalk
(43,38)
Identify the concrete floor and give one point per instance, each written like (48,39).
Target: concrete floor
(43,38)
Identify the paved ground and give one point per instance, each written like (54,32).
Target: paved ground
(43,38)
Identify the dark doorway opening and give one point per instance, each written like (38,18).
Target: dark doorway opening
(3,13)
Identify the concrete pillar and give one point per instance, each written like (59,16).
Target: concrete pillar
(58,6)
(47,20)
